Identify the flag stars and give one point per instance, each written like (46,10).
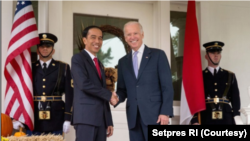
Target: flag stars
(17,3)
(23,2)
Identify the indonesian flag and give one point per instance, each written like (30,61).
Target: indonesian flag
(192,93)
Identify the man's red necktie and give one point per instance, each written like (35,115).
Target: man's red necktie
(97,67)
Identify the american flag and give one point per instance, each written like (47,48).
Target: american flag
(18,101)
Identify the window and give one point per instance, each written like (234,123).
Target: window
(177,29)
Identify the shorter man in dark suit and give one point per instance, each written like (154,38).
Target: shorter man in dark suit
(51,78)
(221,90)
(92,117)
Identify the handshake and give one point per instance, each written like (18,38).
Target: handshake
(114,99)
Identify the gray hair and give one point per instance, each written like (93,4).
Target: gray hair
(132,22)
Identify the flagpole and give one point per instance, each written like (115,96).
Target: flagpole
(199,117)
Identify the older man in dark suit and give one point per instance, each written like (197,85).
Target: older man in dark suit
(92,117)
(144,78)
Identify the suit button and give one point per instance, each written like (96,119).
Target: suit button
(215,90)
(43,86)
(215,83)
(44,79)
(137,86)
(43,93)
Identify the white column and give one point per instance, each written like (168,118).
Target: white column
(246,112)
(162,27)
(7,13)
(43,16)
(56,25)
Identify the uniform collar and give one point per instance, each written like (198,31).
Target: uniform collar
(47,63)
(211,69)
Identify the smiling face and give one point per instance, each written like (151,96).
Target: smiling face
(93,41)
(133,35)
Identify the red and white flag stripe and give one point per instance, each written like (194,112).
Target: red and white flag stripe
(192,92)
(18,102)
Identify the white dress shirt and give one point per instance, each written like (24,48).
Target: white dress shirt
(47,63)
(211,69)
(139,54)
(91,55)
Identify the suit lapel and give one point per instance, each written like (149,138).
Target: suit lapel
(102,74)
(91,62)
(144,60)
(130,64)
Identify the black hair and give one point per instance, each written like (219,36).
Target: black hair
(86,30)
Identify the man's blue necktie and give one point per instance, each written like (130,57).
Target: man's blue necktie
(135,63)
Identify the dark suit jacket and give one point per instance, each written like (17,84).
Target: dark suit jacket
(216,85)
(91,98)
(151,92)
(44,85)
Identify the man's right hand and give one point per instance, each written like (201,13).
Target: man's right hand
(114,99)
(17,124)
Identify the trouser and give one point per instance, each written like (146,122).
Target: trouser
(140,131)
(85,132)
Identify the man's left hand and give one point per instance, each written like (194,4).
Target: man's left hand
(163,120)
(66,126)
(110,131)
